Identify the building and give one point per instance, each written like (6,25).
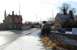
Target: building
(12,21)
(63,20)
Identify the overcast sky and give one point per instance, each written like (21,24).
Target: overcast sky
(33,10)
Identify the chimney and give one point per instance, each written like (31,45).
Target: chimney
(12,12)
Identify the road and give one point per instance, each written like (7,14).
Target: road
(21,40)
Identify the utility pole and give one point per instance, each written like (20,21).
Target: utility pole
(19,7)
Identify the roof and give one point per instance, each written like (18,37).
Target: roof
(62,17)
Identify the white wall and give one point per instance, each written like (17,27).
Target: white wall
(74,31)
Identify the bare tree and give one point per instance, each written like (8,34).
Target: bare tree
(65,8)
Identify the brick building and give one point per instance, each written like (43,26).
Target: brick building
(12,21)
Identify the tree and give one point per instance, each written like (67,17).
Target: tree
(67,10)
(64,8)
